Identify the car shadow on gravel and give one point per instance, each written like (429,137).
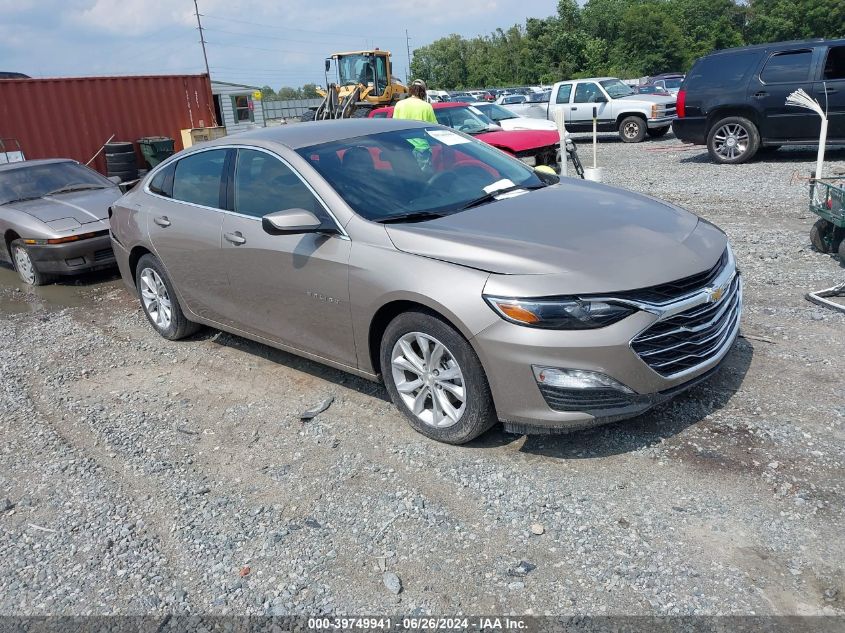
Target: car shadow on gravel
(644,431)
(803,153)
(280,357)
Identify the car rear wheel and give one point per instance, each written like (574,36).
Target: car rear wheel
(632,129)
(733,140)
(435,378)
(159,300)
(25,267)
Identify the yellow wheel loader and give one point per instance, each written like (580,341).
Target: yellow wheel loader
(364,81)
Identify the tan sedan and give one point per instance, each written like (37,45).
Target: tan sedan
(478,289)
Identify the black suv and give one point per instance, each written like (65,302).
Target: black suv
(734,101)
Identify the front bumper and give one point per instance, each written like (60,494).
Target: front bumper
(72,258)
(509,351)
(665,121)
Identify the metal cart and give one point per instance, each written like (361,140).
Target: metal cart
(827,200)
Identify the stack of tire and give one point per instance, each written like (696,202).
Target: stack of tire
(121,160)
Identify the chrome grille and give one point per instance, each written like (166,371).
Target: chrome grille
(672,291)
(692,337)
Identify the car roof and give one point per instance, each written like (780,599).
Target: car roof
(32,163)
(784,44)
(298,135)
(572,81)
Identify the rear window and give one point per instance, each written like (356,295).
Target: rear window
(722,71)
(791,66)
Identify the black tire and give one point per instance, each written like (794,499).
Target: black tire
(841,252)
(822,235)
(29,275)
(478,414)
(121,159)
(308,115)
(179,326)
(658,132)
(119,147)
(632,129)
(724,156)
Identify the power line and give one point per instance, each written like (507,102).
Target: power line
(289,28)
(270,37)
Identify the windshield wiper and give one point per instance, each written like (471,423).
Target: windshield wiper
(69,188)
(21,199)
(490,197)
(418,216)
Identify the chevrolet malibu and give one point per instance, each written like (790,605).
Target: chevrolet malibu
(478,289)
(54,219)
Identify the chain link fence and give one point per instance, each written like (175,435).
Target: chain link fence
(289,109)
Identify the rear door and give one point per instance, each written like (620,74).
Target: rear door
(782,73)
(293,289)
(830,90)
(184,219)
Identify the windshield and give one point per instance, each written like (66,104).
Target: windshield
(616,88)
(495,112)
(467,119)
(354,69)
(35,181)
(421,170)
(539,97)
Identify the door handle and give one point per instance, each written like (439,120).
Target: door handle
(162,221)
(235,238)
(575,108)
(760,95)
(829,91)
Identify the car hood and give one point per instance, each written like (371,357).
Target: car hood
(648,98)
(65,210)
(519,140)
(524,123)
(596,238)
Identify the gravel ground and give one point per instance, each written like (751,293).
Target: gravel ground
(139,476)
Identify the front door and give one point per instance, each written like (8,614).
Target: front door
(588,96)
(830,91)
(185,224)
(293,289)
(559,101)
(783,73)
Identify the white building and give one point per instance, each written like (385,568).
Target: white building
(236,106)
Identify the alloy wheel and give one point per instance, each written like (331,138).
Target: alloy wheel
(631,129)
(731,140)
(24,265)
(156,298)
(429,379)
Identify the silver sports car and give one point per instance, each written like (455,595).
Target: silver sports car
(54,218)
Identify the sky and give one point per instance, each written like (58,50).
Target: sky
(259,42)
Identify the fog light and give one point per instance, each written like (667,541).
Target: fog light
(576,379)
(76,261)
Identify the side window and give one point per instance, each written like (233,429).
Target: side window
(834,65)
(162,182)
(787,67)
(563,94)
(197,178)
(264,184)
(586,93)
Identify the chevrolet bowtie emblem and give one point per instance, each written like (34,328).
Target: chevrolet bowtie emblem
(716,294)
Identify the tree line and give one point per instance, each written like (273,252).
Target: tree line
(286,93)
(620,38)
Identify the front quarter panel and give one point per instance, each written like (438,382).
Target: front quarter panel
(379,275)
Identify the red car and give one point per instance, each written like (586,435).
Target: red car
(532,147)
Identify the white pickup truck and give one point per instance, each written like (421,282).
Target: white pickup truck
(618,108)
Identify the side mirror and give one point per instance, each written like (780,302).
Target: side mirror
(290,221)
(600,99)
(328,65)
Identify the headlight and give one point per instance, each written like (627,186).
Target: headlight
(531,161)
(559,313)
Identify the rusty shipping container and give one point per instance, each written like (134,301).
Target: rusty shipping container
(71,117)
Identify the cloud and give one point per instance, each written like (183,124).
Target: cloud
(134,17)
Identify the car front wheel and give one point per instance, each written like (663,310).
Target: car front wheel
(159,300)
(25,267)
(435,378)
(632,129)
(733,140)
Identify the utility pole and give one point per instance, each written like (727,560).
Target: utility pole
(202,39)
(408,47)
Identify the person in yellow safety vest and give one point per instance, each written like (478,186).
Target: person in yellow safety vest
(415,107)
